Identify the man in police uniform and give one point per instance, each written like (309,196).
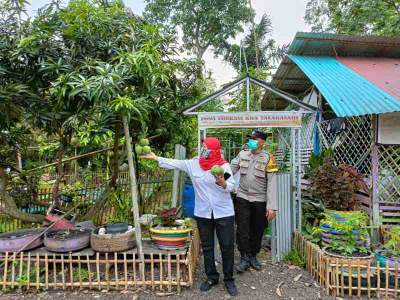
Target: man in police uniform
(256,199)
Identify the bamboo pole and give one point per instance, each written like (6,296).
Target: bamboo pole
(133,183)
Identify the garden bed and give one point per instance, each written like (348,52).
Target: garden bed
(342,277)
(40,269)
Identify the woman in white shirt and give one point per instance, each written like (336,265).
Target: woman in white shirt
(213,208)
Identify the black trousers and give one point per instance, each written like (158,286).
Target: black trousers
(251,221)
(224,227)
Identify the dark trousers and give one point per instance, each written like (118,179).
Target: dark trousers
(225,234)
(251,221)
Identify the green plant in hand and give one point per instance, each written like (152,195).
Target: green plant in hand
(392,246)
(217,171)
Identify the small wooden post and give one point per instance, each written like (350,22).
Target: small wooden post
(5,271)
(89,271)
(98,270)
(180,153)
(125,271)
(369,279)
(46,265)
(161,272)
(21,266)
(116,269)
(375,175)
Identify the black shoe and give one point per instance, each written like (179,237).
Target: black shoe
(231,288)
(244,264)
(254,263)
(207,285)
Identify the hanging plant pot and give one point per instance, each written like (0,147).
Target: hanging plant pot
(114,242)
(383,258)
(14,241)
(66,240)
(170,237)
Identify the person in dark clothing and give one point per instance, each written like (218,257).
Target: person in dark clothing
(255,199)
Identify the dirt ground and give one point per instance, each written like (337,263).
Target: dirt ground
(274,281)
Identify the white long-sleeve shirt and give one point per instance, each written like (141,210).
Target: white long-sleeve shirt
(210,198)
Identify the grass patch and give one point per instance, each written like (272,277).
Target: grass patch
(295,258)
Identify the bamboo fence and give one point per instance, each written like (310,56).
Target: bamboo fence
(155,191)
(351,277)
(159,270)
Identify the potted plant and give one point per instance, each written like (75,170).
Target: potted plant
(169,232)
(336,186)
(390,254)
(343,228)
(346,239)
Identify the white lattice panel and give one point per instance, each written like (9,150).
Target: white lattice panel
(389,173)
(351,146)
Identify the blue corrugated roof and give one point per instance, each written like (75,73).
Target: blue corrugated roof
(348,93)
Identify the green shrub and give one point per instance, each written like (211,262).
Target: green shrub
(295,258)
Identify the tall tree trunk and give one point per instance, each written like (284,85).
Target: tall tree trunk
(56,186)
(133,182)
(115,157)
(8,206)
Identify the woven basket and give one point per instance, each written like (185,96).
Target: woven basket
(112,242)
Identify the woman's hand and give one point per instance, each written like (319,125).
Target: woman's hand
(220,180)
(271,214)
(150,156)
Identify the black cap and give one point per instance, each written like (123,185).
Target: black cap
(258,134)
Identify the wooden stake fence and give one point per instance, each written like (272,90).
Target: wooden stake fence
(353,277)
(161,269)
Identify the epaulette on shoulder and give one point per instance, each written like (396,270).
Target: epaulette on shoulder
(272,166)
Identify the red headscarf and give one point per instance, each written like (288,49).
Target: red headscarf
(215,157)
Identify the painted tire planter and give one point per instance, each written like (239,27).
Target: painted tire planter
(169,238)
(382,259)
(339,216)
(13,241)
(112,242)
(328,234)
(363,259)
(66,240)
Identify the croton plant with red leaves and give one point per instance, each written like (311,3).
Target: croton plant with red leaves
(168,216)
(336,185)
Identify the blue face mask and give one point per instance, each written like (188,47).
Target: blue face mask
(252,144)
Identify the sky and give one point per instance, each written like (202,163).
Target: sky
(286,15)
